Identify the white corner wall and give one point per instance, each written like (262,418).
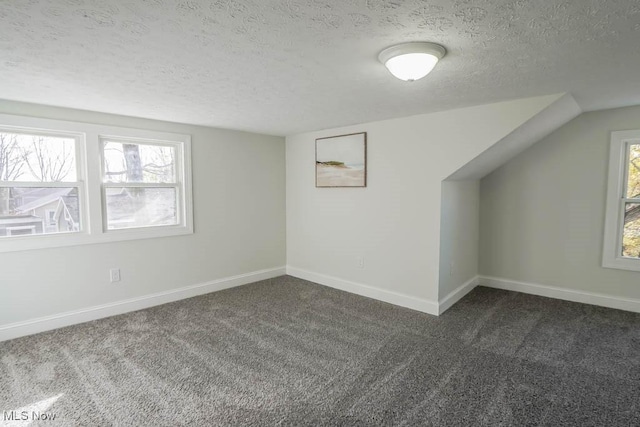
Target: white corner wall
(542,217)
(394,223)
(239,205)
(459,240)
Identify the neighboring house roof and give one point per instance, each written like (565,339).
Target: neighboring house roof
(23,219)
(72,205)
(40,197)
(121,204)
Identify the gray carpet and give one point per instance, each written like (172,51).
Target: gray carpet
(289,352)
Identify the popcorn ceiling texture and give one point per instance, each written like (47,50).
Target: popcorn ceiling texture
(286,66)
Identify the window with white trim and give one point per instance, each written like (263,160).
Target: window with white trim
(140,185)
(622,223)
(38,171)
(66,183)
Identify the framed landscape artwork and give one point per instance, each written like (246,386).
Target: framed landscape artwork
(341,161)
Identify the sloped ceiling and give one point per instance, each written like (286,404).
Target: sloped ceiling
(548,120)
(286,66)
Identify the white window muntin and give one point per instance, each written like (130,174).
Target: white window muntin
(88,164)
(619,152)
(78,184)
(178,185)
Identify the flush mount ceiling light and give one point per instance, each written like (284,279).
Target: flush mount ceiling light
(412,61)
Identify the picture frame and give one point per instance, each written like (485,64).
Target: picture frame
(341,161)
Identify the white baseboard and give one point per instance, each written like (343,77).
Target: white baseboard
(414,303)
(33,326)
(627,304)
(447,302)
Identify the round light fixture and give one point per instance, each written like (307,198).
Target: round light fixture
(412,61)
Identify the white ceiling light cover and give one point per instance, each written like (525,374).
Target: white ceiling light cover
(283,67)
(412,61)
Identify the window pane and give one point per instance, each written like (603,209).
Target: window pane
(631,236)
(129,207)
(40,210)
(633,179)
(128,162)
(37,158)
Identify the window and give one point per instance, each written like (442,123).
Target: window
(20,231)
(38,172)
(50,217)
(622,227)
(66,183)
(140,184)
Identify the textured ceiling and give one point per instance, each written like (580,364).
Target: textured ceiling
(286,66)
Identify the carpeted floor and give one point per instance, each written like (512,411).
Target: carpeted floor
(290,352)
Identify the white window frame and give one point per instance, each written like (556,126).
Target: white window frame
(48,220)
(178,185)
(12,126)
(89,166)
(616,200)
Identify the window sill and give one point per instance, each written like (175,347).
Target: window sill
(15,244)
(619,263)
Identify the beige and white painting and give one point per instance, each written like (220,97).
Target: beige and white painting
(341,161)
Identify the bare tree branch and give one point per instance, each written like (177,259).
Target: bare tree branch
(11,158)
(47,164)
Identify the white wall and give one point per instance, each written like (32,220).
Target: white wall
(459,234)
(394,222)
(542,214)
(239,205)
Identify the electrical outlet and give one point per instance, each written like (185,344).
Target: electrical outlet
(360,262)
(115,275)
